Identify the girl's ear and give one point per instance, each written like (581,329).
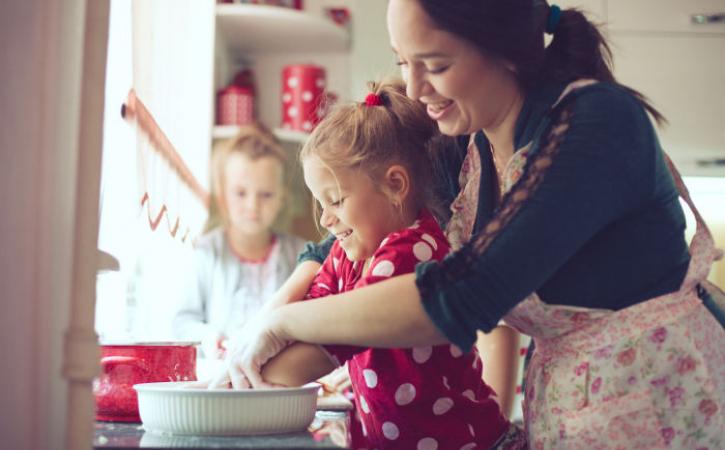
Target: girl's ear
(396,183)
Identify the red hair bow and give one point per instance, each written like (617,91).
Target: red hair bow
(373,99)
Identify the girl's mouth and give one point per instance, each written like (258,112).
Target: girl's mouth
(343,235)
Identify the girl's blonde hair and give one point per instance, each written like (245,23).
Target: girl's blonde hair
(254,141)
(373,137)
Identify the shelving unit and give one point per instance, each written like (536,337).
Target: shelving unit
(264,39)
(252,29)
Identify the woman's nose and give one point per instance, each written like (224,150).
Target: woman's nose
(414,83)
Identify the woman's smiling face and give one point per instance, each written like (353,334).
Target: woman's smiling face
(463,90)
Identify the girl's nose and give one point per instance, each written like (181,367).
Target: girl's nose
(326,219)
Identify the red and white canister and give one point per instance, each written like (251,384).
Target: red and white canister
(235,105)
(303,96)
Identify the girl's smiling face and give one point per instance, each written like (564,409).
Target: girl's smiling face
(463,90)
(354,208)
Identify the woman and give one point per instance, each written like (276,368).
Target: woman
(585,251)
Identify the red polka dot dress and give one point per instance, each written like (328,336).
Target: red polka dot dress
(425,398)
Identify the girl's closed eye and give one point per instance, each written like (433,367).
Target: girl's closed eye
(337,203)
(266,195)
(241,193)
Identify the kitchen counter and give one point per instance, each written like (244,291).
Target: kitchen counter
(329,430)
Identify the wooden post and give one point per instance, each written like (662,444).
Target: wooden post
(81,352)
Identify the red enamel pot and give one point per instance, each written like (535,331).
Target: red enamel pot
(123,365)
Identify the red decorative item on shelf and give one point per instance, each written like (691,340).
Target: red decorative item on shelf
(124,365)
(303,96)
(235,105)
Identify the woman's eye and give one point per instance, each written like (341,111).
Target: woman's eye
(400,63)
(241,193)
(337,203)
(266,195)
(437,70)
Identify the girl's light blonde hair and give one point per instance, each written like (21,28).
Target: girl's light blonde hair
(254,141)
(372,138)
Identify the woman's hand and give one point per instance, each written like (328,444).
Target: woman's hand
(263,341)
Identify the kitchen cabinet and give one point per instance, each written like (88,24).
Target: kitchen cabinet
(673,51)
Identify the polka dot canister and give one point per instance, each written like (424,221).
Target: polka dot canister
(303,96)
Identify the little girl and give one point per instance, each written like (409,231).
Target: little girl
(240,263)
(366,165)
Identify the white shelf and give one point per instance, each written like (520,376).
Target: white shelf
(248,29)
(229,131)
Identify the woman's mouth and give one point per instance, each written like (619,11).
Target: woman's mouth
(437,110)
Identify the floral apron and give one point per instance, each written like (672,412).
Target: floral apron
(650,376)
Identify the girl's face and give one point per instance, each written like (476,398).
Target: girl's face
(354,209)
(463,90)
(253,192)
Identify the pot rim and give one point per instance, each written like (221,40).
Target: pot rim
(121,343)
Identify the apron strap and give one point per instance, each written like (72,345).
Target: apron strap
(702,247)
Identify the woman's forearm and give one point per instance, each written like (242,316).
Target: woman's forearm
(385,314)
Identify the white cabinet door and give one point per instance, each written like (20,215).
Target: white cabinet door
(684,77)
(667,16)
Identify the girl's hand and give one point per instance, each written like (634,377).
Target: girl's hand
(263,341)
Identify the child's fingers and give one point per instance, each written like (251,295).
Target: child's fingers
(238,378)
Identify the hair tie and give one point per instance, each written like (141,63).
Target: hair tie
(553,20)
(373,99)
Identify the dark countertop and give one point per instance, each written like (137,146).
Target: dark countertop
(328,430)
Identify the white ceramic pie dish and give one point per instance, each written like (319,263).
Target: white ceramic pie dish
(175,407)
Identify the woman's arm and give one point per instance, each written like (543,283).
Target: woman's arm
(385,314)
(297,365)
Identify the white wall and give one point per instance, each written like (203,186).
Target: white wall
(40,67)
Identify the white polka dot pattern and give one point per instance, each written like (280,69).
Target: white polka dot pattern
(390,431)
(428,444)
(422,354)
(470,446)
(445,383)
(442,406)
(405,394)
(371,378)
(307,96)
(469,394)
(455,351)
(422,251)
(429,239)
(364,405)
(384,268)
(470,428)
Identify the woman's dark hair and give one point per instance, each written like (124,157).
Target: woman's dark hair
(513,30)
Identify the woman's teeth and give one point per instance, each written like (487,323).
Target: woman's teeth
(437,107)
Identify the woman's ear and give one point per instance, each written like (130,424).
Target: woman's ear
(396,183)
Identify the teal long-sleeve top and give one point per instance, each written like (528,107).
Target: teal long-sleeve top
(601,228)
